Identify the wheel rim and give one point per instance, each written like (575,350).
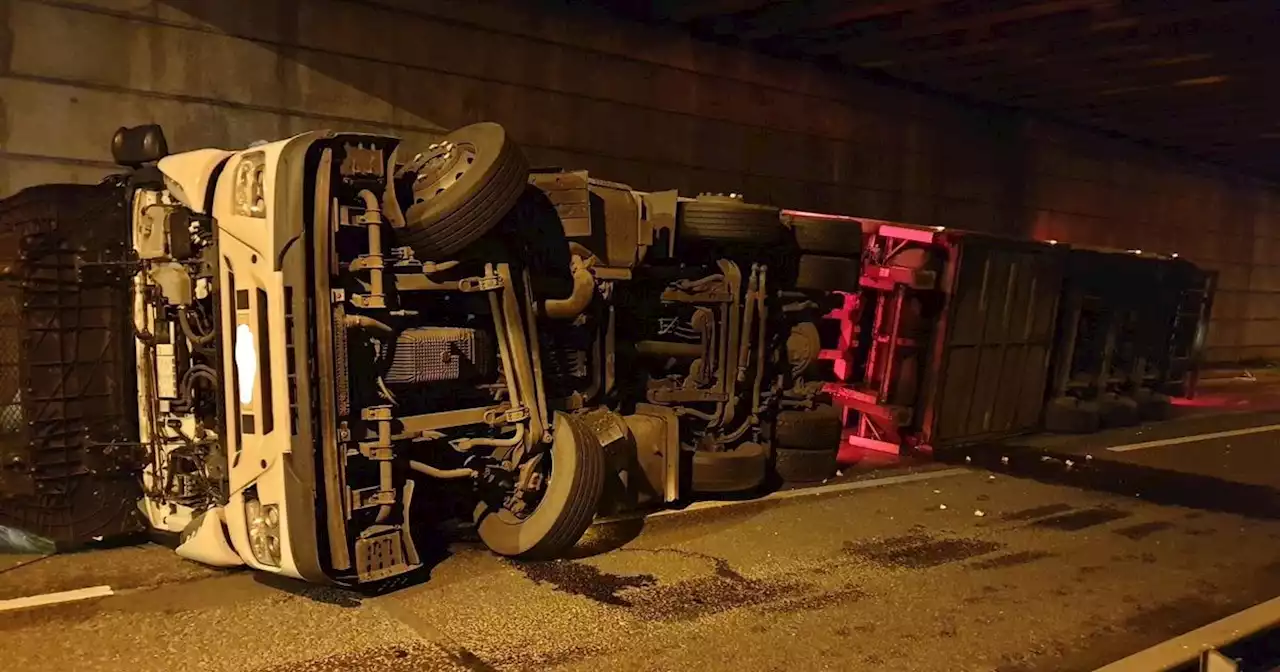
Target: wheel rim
(442,169)
(520,505)
(802,347)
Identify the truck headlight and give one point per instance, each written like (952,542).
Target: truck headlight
(250,192)
(264,531)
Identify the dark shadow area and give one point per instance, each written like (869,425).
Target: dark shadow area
(606,537)
(331,595)
(1150,484)
(433,549)
(1259,651)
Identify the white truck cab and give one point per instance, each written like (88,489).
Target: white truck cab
(325,328)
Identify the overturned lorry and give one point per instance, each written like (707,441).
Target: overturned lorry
(337,345)
(306,355)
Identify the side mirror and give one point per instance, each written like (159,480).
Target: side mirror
(133,147)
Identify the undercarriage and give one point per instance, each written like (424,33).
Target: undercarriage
(552,367)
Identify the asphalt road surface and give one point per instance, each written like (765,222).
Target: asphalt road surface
(1044,561)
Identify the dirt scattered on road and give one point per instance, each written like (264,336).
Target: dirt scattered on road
(1080,520)
(918,551)
(1037,512)
(579,578)
(1012,560)
(405,657)
(1143,530)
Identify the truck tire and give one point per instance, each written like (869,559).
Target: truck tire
(818,429)
(473,179)
(827,274)
(1068,415)
(567,507)
(796,465)
(1157,407)
(725,219)
(1118,411)
(738,470)
(826,236)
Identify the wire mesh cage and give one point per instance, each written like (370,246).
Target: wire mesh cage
(68,396)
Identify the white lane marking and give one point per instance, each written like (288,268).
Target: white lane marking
(55,598)
(792,494)
(1194,438)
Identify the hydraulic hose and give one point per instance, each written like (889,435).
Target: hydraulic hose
(184,321)
(584,288)
(434,472)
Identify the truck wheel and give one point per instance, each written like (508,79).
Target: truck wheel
(1068,415)
(571,494)
(818,429)
(462,189)
(826,236)
(1153,405)
(827,274)
(737,470)
(1118,410)
(798,465)
(728,220)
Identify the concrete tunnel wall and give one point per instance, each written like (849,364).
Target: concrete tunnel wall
(638,104)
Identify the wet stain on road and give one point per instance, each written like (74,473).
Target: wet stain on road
(1175,617)
(1038,512)
(1012,560)
(577,578)
(724,590)
(65,614)
(817,600)
(920,551)
(406,657)
(1080,520)
(1143,530)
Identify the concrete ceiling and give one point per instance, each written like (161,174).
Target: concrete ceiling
(1195,75)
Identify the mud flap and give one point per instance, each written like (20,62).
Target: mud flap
(205,541)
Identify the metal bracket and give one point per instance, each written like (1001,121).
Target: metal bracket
(676,396)
(682,296)
(369,301)
(494,418)
(375,451)
(368,218)
(366,262)
(480,284)
(364,498)
(375,413)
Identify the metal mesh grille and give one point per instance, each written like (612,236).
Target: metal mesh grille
(12,419)
(66,374)
(431,354)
